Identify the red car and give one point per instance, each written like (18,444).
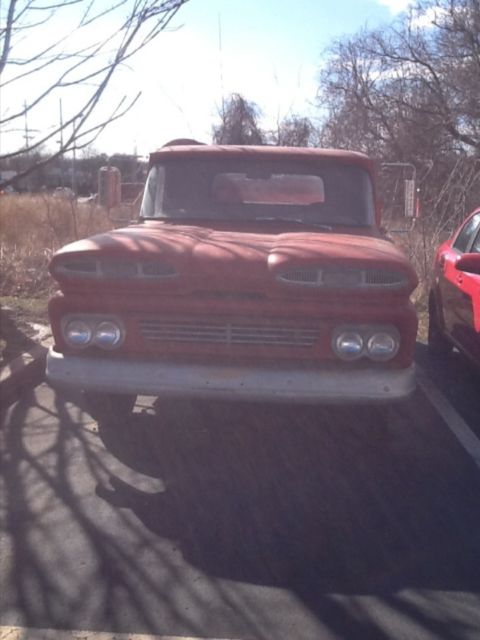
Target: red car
(454,302)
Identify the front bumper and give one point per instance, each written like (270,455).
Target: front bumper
(327,384)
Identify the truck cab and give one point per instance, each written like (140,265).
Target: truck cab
(254,273)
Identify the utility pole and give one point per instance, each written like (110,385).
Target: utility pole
(60,142)
(26,135)
(220,52)
(74,158)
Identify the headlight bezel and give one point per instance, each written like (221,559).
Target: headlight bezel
(367,334)
(348,336)
(66,330)
(382,356)
(94,322)
(117,335)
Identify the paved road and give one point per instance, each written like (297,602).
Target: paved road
(458,380)
(239,521)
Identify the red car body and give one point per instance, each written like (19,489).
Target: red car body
(244,279)
(454,302)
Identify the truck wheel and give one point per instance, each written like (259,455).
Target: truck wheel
(109,407)
(437,342)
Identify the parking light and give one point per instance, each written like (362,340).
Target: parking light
(87,330)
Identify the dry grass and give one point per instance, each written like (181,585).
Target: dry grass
(419,241)
(33,227)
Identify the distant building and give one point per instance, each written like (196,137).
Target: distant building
(6,176)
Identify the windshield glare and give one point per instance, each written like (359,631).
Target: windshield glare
(236,189)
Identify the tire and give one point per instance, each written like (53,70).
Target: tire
(438,343)
(109,408)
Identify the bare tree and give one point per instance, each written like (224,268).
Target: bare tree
(43,63)
(239,122)
(420,75)
(410,93)
(295,131)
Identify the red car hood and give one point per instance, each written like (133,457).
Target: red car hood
(219,258)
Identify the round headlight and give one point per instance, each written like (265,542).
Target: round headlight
(108,335)
(382,346)
(348,345)
(78,333)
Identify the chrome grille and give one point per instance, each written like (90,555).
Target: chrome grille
(115,269)
(229,333)
(384,278)
(338,278)
(311,277)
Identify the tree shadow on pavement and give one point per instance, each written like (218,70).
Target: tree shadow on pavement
(306,500)
(263,495)
(13,337)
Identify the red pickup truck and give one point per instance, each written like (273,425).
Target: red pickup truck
(253,273)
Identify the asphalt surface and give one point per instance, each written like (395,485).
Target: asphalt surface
(458,380)
(226,520)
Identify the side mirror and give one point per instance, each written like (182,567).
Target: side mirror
(469,262)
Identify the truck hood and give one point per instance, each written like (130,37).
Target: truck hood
(216,257)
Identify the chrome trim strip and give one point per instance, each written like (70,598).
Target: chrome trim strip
(367,278)
(228,333)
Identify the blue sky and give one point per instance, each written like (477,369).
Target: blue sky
(271,53)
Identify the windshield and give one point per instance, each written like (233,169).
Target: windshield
(239,189)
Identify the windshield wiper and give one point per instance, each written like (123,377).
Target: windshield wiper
(303,223)
(193,219)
